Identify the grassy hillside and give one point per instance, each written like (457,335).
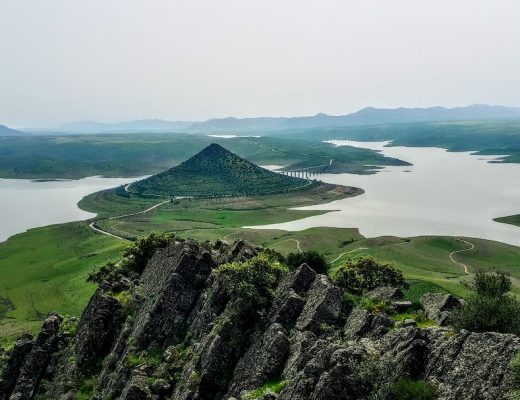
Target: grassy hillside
(425,259)
(78,156)
(215,171)
(486,137)
(45,269)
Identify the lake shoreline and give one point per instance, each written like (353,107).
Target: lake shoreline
(438,195)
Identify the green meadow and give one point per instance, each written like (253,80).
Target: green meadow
(45,269)
(420,258)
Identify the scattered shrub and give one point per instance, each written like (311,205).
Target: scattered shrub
(275,387)
(6,348)
(151,356)
(490,284)
(126,300)
(253,280)
(490,307)
(365,273)
(141,251)
(419,316)
(135,258)
(86,389)
(408,389)
(313,259)
(69,325)
(373,305)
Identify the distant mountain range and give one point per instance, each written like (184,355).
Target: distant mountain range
(366,116)
(5,131)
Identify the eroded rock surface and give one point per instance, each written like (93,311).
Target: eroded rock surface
(439,306)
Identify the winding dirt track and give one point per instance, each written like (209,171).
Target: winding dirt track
(346,252)
(91,225)
(292,240)
(472,246)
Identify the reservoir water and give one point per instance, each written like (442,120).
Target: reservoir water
(442,193)
(28,204)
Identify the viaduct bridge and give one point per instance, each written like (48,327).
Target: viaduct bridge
(307,172)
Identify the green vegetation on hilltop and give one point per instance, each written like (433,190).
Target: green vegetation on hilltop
(361,274)
(253,281)
(135,258)
(213,172)
(312,258)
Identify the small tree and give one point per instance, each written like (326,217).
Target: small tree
(135,257)
(313,259)
(140,252)
(253,280)
(365,273)
(489,307)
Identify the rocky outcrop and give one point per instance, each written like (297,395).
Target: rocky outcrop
(407,348)
(439,306)
(363,323)
(37,360)
(96,330)
(11,371)
(176,333)
(470,365)
(239,251)
(324,306)
(388,293)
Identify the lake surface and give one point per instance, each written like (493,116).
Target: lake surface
(28,204)
(442,193)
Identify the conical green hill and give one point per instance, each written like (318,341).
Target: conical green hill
(215,171)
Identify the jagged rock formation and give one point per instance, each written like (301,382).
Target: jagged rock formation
(439,306)
(176,333)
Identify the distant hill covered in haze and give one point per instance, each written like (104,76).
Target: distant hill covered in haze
(366,116)
(5,131)
(143,125)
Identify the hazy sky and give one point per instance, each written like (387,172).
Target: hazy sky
(108,60)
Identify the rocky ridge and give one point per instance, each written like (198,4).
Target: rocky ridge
(175,333)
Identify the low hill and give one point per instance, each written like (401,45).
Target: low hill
(142,125)
(5,131)
(215,171)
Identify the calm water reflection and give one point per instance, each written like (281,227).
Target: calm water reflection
(28,204)
(443,193)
